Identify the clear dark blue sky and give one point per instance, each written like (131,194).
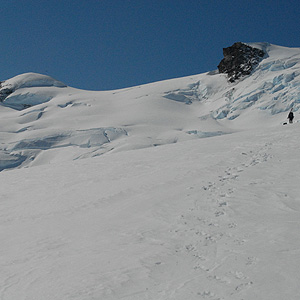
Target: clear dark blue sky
(109,44)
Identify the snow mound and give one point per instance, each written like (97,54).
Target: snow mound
(27,90)
(31,80)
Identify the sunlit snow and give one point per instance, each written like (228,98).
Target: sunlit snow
(181,189)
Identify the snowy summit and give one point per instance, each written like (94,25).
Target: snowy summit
(180,189)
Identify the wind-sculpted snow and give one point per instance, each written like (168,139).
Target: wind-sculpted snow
(31,80)
(25,100)
(26,150)
(82,138)
(8,161)
(188,95)
(21,91)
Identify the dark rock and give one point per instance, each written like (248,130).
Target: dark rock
(4,92)
(239,60)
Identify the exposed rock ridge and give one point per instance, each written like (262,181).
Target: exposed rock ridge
(239,60)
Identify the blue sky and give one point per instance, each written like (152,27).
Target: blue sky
(110,44)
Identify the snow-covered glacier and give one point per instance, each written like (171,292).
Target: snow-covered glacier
(181,189)
(40,114)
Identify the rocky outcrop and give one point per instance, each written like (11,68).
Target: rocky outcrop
(239,60)
(4,92)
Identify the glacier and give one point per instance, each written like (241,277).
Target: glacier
(48,107)
(180,189)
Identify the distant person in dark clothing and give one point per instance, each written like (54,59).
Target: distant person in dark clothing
(291,116)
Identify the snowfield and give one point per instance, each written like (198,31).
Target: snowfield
(181,189)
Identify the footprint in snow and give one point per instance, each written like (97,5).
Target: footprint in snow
(219,213)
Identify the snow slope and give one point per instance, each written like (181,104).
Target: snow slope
(211,218)
(92,208)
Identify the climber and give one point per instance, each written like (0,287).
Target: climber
(291,116)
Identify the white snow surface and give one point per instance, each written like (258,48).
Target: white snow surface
(181,189)
(32,80)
